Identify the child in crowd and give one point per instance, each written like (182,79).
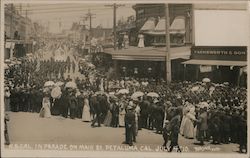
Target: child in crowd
(166,133)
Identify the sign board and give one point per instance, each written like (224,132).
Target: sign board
(205,68)
(221,27)
(228,53)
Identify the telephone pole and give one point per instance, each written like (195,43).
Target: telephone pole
(12,21)
(115,6)
(168,60)
(90,16)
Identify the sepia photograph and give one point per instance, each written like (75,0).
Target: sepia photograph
(128,78)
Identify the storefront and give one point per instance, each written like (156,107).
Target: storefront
(17,48)
(219,63)
(149,62)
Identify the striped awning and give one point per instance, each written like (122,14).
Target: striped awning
(149,25)
(177,27)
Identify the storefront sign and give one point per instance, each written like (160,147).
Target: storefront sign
(205,68)
(219,53)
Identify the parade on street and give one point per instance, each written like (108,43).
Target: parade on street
(140,82)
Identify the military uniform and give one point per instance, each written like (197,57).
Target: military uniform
(129,126)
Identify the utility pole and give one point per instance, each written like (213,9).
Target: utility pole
(12,21)
(90,16)
(114,25)
(168,60)
(115,6)
(20,9)
(26,23)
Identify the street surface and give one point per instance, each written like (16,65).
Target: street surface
(29,129)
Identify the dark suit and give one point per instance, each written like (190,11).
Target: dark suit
(202,126)
(72,106)
(144,113)
(97,111)
(129,126)
(226,127)
(175,128)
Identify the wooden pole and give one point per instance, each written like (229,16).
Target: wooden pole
(168,60)
(114,25)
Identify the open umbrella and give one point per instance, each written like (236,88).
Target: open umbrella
(100,92)
(203,105)
(46,90)
(112,95)
(91,65)
(226,83)
(82,60)
(71,85)
(206,80)
(195,88)
(153,94)
(60,83)
(137,94)
(7,60)
(49,83)
(56,92)
(123,91)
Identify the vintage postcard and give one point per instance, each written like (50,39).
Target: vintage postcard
(124,78)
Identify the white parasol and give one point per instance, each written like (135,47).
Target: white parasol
(137,94)
(49,83)
(82,60)
(71,85)
(195,88)
(56,92)
(7,60)
(206,80)
(100,92)
(59,83)
(203,105)
(153,94)
(123,91)
(46,90)
(226,83)
(91,65)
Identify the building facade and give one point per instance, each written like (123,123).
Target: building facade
(157,11)
(14,21)
(221,53)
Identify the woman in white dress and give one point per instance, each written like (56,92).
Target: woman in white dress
(86,111)
(126,41)
(184,119)
(188,129)
(122,113)
(101,87)
(45,111)
(137,115)
(141,41)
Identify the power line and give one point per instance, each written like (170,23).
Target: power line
(66,8)
(60,11)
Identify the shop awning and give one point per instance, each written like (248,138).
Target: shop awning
(215,62)
(148,25)
(177,27)
(149,53)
